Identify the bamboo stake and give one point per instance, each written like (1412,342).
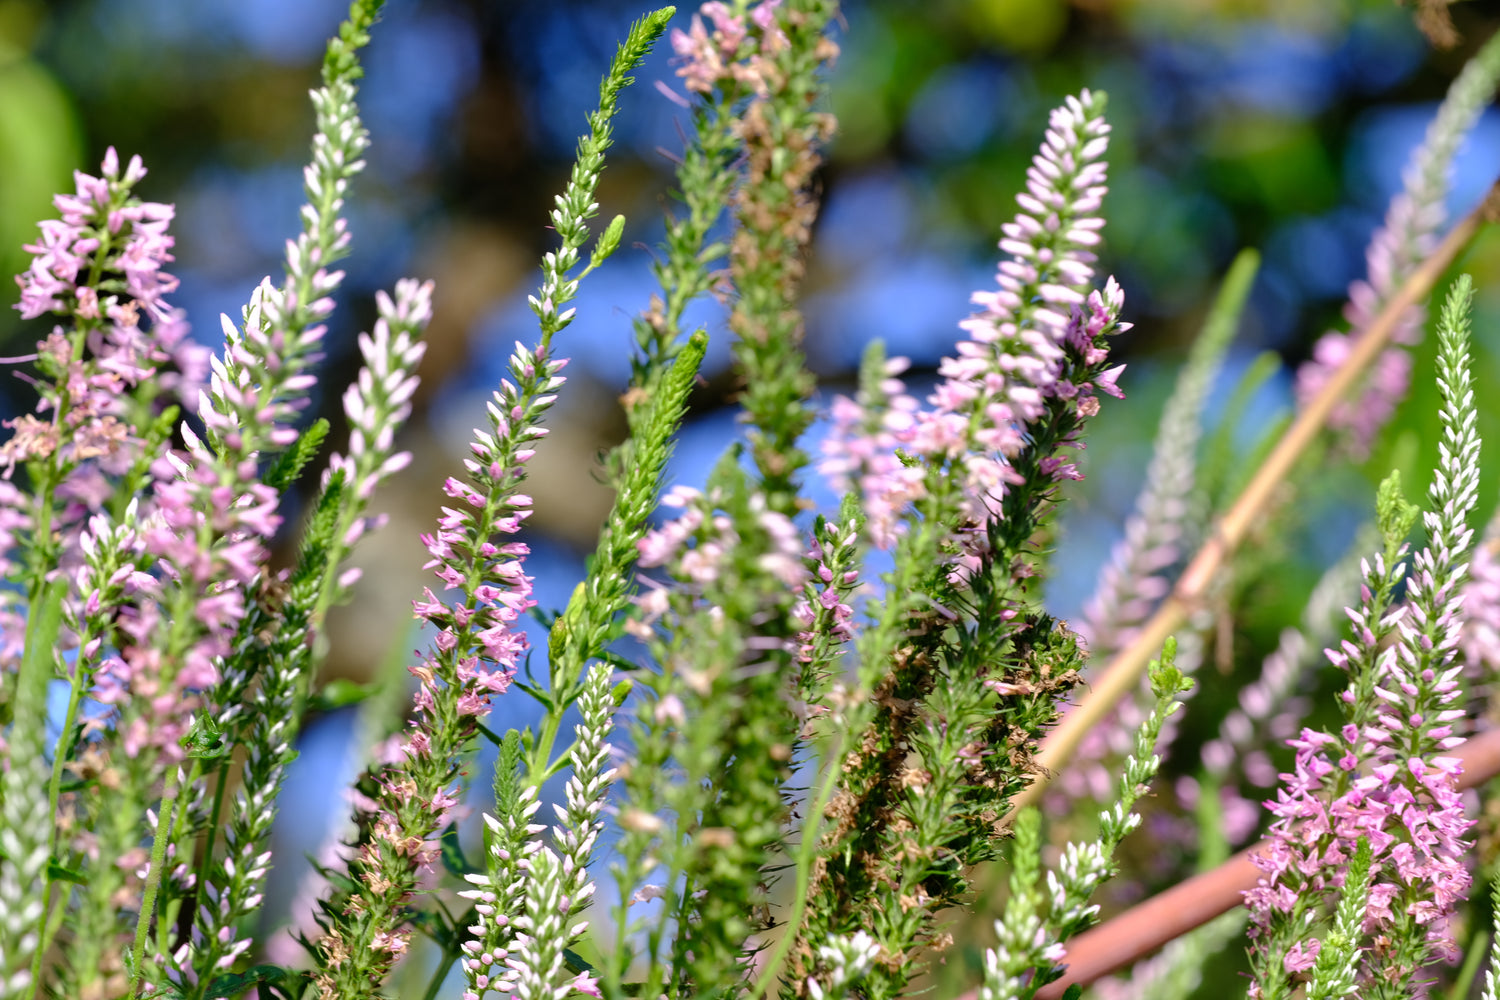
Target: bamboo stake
(1136,933)
(1124,672)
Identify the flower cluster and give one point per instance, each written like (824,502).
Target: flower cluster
(824,610)
(863,449)
(473,656)
(847,959)
(766,780)
(1404,240)
(377,401)
(101,228)
(1414,821)
(1386,777)
(711,56)
(696,544)
(478,642)
(547,887)
(100,268)
(1039,336)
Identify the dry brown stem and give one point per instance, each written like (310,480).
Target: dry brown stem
(1124,672)
(1131,936)
(1139,931)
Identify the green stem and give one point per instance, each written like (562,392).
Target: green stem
(54,793)
(64,748)
(180,824)
(436,983)
(42,625)
(153,878)
(206,856)
(812,831)
(42,554)
(542,767)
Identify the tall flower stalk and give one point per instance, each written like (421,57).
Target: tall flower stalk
(1407,236)
(1385,776)
(820,733)
(104,387)
(968,701)
(376,405)
(479,644)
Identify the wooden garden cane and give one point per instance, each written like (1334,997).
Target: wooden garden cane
(1136,933)
(1123,673)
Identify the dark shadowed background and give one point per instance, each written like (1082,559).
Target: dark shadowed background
(1276,124)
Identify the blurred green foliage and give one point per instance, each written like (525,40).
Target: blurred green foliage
(1278,124)
(39,135)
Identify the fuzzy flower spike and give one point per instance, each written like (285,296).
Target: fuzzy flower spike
(376,405)
(1386,776)
(107,373)
(1037,337)
(473,657)
(100,267)
(1410,231)
(959,488)
(181,674)
(478,644)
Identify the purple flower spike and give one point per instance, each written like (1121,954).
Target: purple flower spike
(1037,338)
(1409,233)
(473,657)
(1386,776)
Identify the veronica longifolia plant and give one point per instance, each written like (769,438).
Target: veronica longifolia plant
(814,754)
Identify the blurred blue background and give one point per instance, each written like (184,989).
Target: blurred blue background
(1276,124)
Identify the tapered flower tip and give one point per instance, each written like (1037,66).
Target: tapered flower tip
(1106,381)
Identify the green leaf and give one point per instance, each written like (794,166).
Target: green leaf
(234,983)
(318,540)
(566,624)
(621,663)
(290,463)
(293,987)
(38,662)
(432,923)
(609,241)
(59,872)
(341,693)
(507,777)
(1167,679)
(453,853)
(335,877)
(542,696)
(1229,304)
(489,734)
(165,991)
(205,741)
(1394,515)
